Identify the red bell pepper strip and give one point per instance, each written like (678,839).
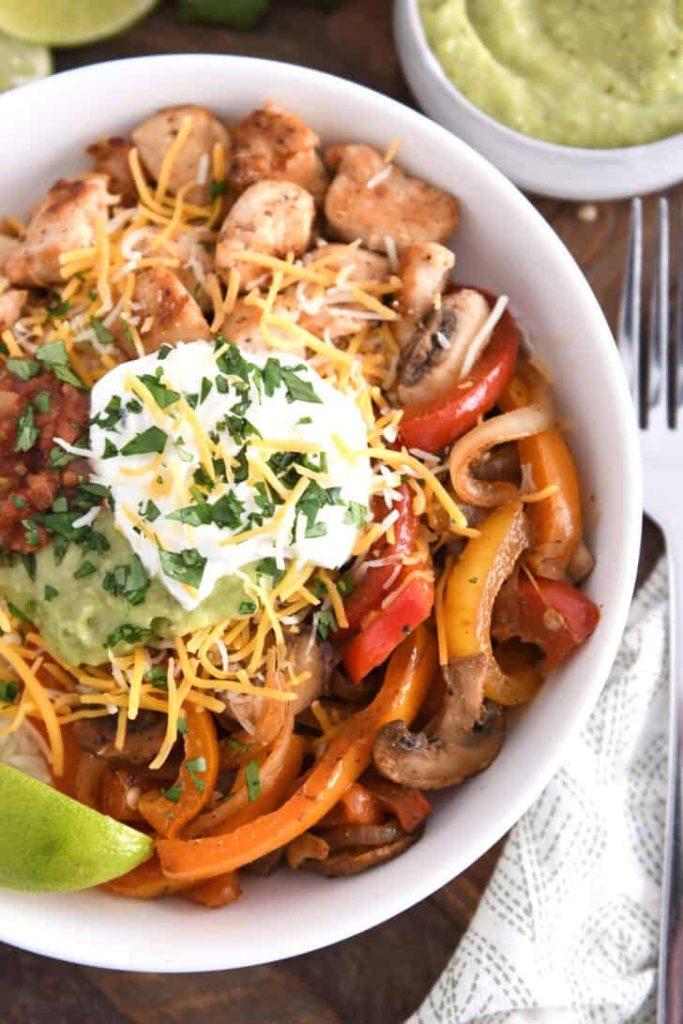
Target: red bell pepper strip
(370,591)
(549,613)
(433,425)
(410,806)
(371,647)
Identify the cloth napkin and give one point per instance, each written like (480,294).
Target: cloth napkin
(568,928)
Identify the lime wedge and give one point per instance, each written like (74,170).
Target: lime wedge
(21,62)
(69,22)
(51,843)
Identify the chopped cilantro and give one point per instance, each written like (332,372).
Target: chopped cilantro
(222,386)
(252,777)
(27,433)
(85,569)
(8,691)
(157,677)
(327,624)
(110,449)
(151,511)
(43,401)
(102,333)
(182,724)
(31,536)
(128,581)
(50,592)
(185,566)
(58,310)
(17,501)
(272,376)
(194,766)
(355,514)
(163,351)
(59,458)
(304,420)
(205,389)
(173,793)
(24,369)
(298,390)
(151,440)
(268,567)
(54,357)
(29,563)
(162,395)
(247,607)
(127,633)
(17,612)
(217,188)
(132,405)
(111,414)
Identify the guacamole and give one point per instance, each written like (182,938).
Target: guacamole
(594,73)
(89,600)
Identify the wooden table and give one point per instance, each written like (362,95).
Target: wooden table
(381,976)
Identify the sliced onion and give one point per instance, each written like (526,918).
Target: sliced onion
(306,847)
(510,426)
(346,836)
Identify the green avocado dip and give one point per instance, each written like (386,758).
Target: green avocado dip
(87,601)
(594,73)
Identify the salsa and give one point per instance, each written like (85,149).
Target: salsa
(590,73)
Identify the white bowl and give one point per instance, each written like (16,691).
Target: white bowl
(567,172)
(504,245)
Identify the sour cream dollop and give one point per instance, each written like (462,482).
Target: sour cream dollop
(215,460)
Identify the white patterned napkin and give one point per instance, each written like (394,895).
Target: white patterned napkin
(567,930)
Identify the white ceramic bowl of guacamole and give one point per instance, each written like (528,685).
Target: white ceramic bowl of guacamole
(502,244)
(572,171)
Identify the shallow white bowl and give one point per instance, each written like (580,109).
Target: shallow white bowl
(503,245)
(567,172)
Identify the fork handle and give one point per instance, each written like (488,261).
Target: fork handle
(670,987)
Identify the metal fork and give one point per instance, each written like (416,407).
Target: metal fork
(651,358)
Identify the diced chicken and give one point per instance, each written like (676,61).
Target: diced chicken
(11,305)
(167,311)
(337,314)
(8,245)
(424,269)
(272,143)
(193,162)
(243,327)
(191,247)
(272,218)
(110,157)
(373,201)
(66,219)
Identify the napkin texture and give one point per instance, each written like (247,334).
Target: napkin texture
(568,929)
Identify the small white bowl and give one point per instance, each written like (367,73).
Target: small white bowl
(503,244)
(567,172)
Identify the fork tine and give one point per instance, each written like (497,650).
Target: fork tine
(629,324)
(658,333)
(677,355)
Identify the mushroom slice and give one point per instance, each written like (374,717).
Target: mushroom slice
(144,736)
(110,156)
(272,143)
(424,269)
(432,362)
(374,201)
(271,217)
(66,219)
(461,740)
(353,861)
(155,135)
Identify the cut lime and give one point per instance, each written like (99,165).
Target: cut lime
(69,22)
(21,62)
(51,843)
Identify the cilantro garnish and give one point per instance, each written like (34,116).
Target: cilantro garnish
(327,624)
(247,607)
(85,569)
(151,440)
(17,501)
(31,536)
(185,566)
(50,593)
(157,677)
(54,357)
(355,514)
(268,567)
(59,458)
(27,433)
(298,390)
(43,401)
(252,777)
(8,691)
(194,766)
(110,449)
(24,369)
(151,511)
(111,414)
(162,395)
(173,793)
(60,309)
(127,633)
(217,187)
(272,376)
(102,333)
(128,581)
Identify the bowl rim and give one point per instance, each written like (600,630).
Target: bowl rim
(588,158)
(418,888)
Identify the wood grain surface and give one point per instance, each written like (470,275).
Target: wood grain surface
(381,976)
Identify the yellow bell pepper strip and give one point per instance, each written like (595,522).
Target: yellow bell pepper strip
(475,579)
(169,810)
(556,522)
(346,758)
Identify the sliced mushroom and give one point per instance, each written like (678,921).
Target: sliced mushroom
(144,736)
(462,739)
(353,861)
(432,361)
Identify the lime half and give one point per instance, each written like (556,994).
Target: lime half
(69,22)
(21,62)
(51,843)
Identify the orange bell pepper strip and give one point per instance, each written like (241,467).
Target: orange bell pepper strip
(145,882)
(217,892)
(556,522)
(167,811)
(473,583)
(346,758)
